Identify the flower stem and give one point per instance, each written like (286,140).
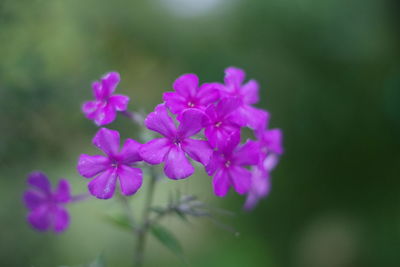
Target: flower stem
(142,231)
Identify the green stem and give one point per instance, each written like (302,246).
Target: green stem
(142,231)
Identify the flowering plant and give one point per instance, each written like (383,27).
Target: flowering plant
(196,123)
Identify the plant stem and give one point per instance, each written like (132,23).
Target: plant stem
(142,231)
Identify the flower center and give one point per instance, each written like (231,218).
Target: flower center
(177,141)
(190,104)
(227,163)
(218,124)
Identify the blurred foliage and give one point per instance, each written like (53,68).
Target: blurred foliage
(330,76)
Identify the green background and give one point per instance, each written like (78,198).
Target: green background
(330,76)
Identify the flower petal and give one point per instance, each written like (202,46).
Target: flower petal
(175,102)
(249,91)
(226,106)
(234,77)
(107,140)
(221,183)
(177,166)
(270,162)
(97,90)
(199,150)
(240,178)
(192,121)
(33,199)
(61,219)
(109,82)
(160,121)
(154,152)
(231,143)
(40,181)
(62,194)
(105,115)
(250,116)
(89,108)
(120,102)
(186,85)
(103,186)
(215,162)
(130,179)
(272,140)
(40,218)
(247,154)
(89,166)
(208,93)
(130,152)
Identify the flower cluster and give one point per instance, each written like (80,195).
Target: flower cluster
(199,122)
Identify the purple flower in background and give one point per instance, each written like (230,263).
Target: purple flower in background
(103,109)
(271,148)
(221,121)
(227,165)
(46,208)
(117,164)
(188,94)
(176,145)
(247,93)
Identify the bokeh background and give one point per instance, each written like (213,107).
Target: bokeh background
(330,76)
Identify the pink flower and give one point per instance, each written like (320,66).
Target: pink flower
(46,208)
(117,164)
(247,93)
(188,94)
(227,165)
(176,145)
(103,110)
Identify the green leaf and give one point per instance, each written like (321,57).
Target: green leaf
(167,239)
(121,221)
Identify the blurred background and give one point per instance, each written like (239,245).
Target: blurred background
(329,74)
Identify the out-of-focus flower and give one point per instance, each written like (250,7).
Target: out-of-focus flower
(247,93)
(46,208)
(188,94)
(227,165)
(176,145)
(221,123)
(103,110)
(270,148)
(117,164)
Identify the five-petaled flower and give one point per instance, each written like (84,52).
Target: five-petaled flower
(176,144)
(188,94)
(227,165)
(103,110)
(46,208)
(117,164)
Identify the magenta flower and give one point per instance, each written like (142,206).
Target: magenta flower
(188,94)
(271,147)
(103,110)
(227,165)
(46,208)
(176,145)
(247,93)
(221,121)
(117,164)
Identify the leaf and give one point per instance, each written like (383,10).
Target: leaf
(167,239)
(121,221)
